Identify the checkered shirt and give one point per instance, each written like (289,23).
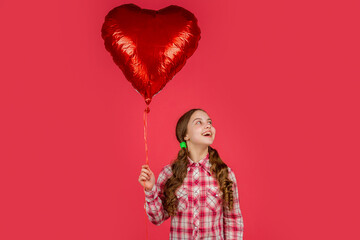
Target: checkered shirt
(200,212)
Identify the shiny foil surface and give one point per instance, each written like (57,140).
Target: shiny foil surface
(150,46)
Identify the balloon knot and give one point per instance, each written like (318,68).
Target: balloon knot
(147,101)
(147,109)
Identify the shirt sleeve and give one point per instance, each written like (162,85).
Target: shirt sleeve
(233,220)
(154,198)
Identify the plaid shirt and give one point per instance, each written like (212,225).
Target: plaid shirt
(200,211)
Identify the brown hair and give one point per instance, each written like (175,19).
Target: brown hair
(179,166)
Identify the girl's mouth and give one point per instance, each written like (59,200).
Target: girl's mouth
(207,135)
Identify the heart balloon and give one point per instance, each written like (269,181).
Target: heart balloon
(150,46)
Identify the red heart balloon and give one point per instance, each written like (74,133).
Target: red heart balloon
(150,46)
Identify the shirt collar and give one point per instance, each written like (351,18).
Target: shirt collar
(204,163)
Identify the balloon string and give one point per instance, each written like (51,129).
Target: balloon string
(146,111)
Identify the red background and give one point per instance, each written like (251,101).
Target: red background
(280,79)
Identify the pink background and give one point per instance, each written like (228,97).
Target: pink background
(280,79)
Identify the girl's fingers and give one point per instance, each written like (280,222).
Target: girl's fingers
(145,176)
(146,167)
(142,178)
(146,171)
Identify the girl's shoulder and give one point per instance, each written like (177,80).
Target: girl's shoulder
(231,174)
(166,170)
(230,170)
(165,174)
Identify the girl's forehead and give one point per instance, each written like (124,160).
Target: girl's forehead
(200,114)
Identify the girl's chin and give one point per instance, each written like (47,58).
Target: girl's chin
(206,142)
(209,142)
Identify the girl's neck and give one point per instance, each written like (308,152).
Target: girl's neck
(197,154)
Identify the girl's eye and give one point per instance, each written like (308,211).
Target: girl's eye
(200,121)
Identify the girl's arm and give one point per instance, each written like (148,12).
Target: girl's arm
(153,199)
(233,220)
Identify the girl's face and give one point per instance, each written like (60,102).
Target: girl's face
(200,130)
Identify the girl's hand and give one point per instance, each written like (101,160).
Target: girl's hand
(147,178)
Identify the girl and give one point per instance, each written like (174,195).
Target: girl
(198,190)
